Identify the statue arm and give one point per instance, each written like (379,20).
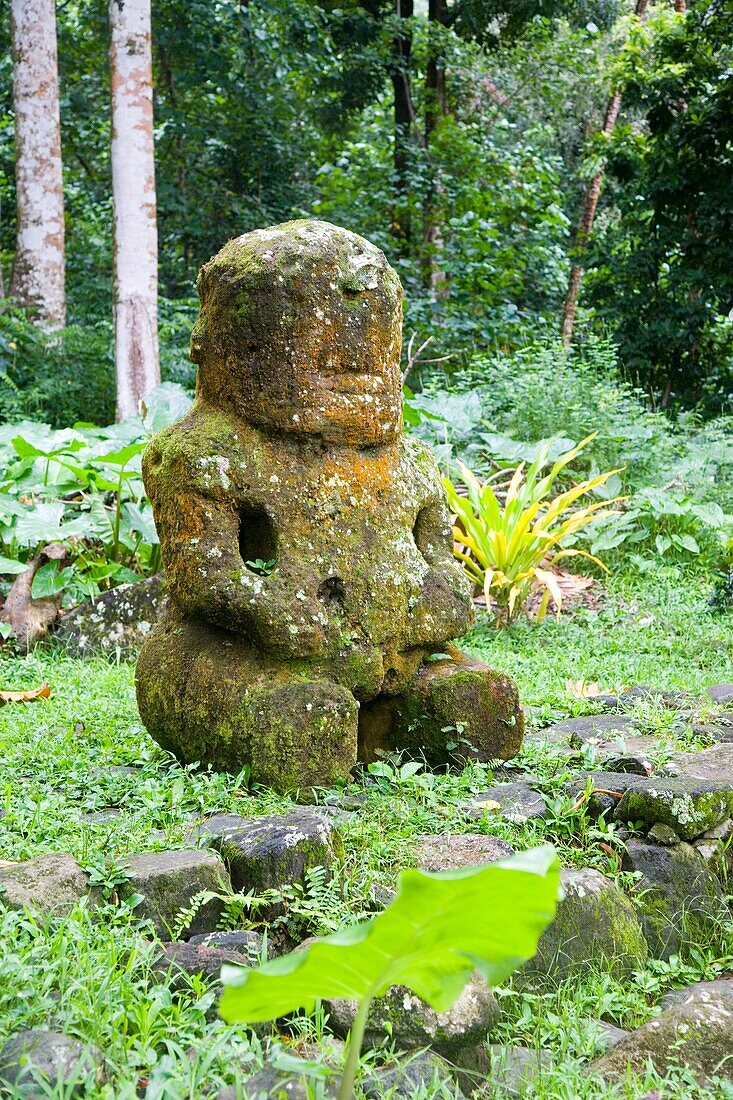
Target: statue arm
(201,535)
(445,596)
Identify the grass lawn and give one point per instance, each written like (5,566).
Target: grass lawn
(79,774)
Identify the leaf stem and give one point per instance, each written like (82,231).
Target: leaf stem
(356,1037)
(118,516)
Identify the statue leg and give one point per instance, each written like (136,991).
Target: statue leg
(458,707)
(205,696)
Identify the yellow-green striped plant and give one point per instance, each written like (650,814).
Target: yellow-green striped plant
(508,546)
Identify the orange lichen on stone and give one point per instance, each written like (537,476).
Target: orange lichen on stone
(306,542)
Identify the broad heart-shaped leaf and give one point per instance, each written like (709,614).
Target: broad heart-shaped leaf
(438,930)
(9,567)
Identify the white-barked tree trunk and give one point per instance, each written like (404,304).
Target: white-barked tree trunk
(133,188)
(38,279)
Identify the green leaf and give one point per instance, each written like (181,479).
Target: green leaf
(40,524)
(11,507)
(123,456)
(9,566)
(141,520)
(686,542)
(662,543)
(25,449)
(438,930)
(711,514)
(50,580)
(514,451)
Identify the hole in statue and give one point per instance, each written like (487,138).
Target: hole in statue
(332,591)
(375,724)
(257,540)
(423,533)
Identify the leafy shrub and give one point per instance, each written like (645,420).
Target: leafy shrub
(677,473)
(669,523)
(438,930)
(69,376)
(508,547)
(81,486)
(541,391)
(62,378)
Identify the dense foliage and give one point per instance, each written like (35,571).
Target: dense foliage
(663,274)
(459,138)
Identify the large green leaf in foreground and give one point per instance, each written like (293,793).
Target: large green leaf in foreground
(438,930)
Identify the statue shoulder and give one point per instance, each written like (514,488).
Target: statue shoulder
(207,451)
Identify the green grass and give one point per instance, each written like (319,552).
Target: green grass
(66,758)
(653,629)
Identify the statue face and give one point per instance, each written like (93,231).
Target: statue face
(300,331)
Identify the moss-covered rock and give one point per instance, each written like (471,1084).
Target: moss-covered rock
(169,883)
(411,1024)
(596,926)
(680,900)
(458,706)
(48,884)
(697,1035)
(120,619)
(689,806)
(307,544)
(38,1062)
(268,853)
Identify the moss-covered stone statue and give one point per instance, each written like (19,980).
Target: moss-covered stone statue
(306,541)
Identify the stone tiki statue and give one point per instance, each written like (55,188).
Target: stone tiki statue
(306,541)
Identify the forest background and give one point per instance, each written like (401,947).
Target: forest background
(461,137)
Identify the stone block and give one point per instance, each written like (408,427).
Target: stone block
(446,853)
(170,881)
(596,926)
(680,900)
(689,806)
(39,1062)
(697,1035)
(412,1024)
(48,884)
(267,853)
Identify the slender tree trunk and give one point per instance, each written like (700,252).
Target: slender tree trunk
(38,280)
(435,111)
(435,90)
(2,284)
(404,115)
(590,204)
(135,223)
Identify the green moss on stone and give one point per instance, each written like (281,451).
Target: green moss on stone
(688,806)
(293,451)
(596,928)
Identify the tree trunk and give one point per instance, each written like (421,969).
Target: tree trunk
(38,280)
(133,187)
(435,91)
(435,111)
(2,284)
(590,204)
(404,115)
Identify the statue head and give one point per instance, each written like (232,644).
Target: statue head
(300,332)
